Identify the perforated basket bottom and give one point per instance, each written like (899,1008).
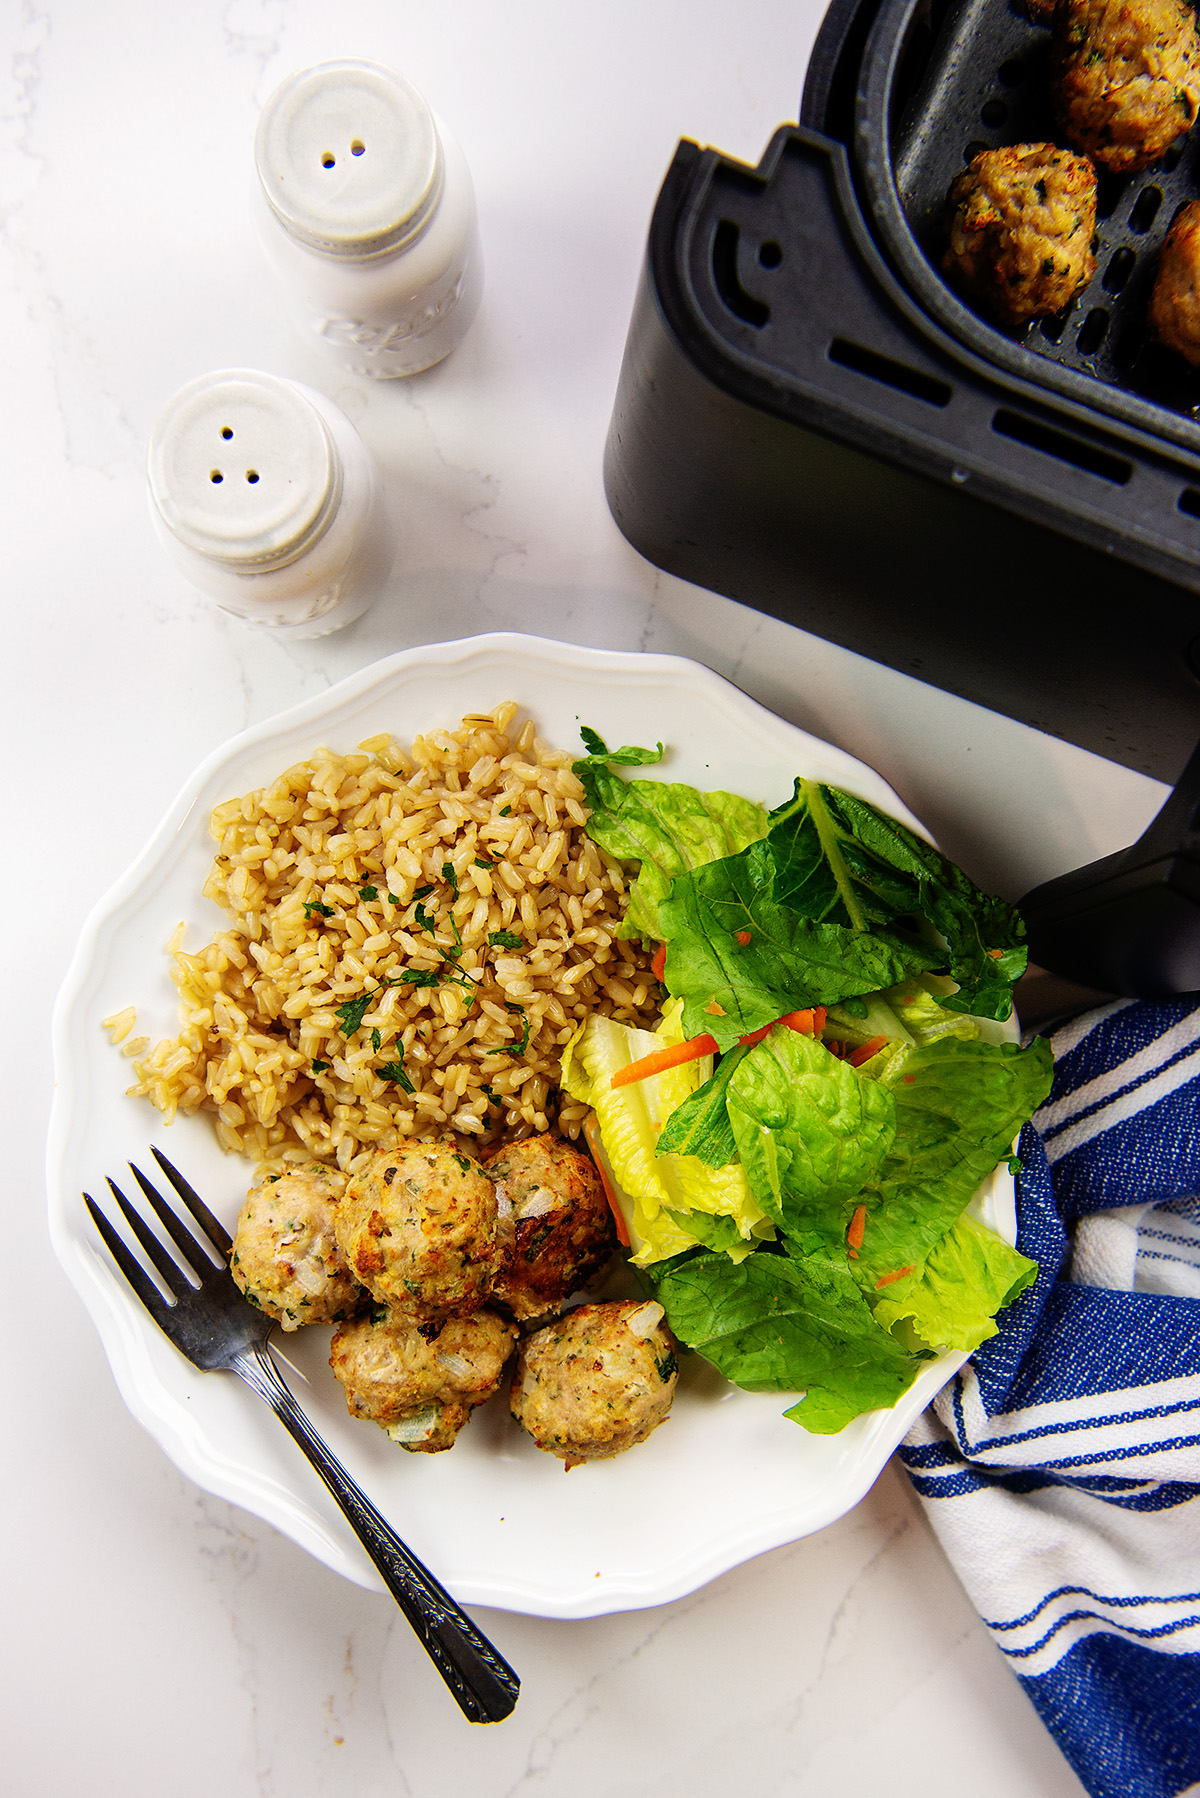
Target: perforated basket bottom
(998,94)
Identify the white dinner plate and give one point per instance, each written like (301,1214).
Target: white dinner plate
(496,1519)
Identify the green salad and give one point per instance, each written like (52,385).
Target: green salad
(797,1144)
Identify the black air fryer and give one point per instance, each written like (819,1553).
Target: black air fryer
(810,421)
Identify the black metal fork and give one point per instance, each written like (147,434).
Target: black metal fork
(216,1327)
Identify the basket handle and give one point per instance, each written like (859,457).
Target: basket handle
(1129,924)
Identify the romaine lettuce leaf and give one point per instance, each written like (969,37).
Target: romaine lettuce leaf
(824,902)
(775,1324)
(630,756)
(856,1021)
(631,1119)
(908,1014)
(740,960)
(700,1126)
(840,861)
(958,1107)
(664,827)
(925,1014)
(810,1133)
(968,1276)
(915,1011)
(714,1230)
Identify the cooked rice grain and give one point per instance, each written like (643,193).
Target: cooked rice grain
(373,881)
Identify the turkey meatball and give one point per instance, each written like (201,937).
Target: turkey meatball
(557,1228)
(1174,310)
(1021,232)
(421,1389)
(418,1228)
(596,1382)
(285,1255)
(1126,78)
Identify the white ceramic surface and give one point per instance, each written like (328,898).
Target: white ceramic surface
(729,1476)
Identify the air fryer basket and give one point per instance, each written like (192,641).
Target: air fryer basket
(935,90)
(809,420)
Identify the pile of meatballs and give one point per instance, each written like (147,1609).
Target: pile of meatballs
(1125,86)
(436,1266)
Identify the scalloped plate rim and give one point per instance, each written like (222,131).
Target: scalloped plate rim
(133,1344)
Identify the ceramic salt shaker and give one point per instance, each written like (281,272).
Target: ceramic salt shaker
(266,498)
(366,211)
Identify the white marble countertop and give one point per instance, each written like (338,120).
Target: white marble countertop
(158,1639)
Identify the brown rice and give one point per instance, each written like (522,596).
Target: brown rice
(373,898)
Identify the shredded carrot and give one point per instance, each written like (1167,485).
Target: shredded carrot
(886,1279)
(659,1060)
(908,1079)
(658,966)
(858,1056)
(854,1234)
(804,1023)
(714,1009)
(743,937)
(592,1131)
(995,954)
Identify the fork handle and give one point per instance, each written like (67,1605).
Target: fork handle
(480,1679)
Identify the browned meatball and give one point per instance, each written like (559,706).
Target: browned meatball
(420,1389)
(1126,78)
(285,1257)
(1174,309)
(418,1228)
(555,1220)
(1021,232)
(596,1382)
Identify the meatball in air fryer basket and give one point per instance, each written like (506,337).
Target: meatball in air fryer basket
(1174,309)
(1125,78)
(1023,220)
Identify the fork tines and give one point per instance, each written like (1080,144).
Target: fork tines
(127,1261)
(213,1227)
(196,1253)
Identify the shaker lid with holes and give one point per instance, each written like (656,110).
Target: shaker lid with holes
(349,159)
(243,470)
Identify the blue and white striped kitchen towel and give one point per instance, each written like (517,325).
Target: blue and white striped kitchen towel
(1061,1467)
